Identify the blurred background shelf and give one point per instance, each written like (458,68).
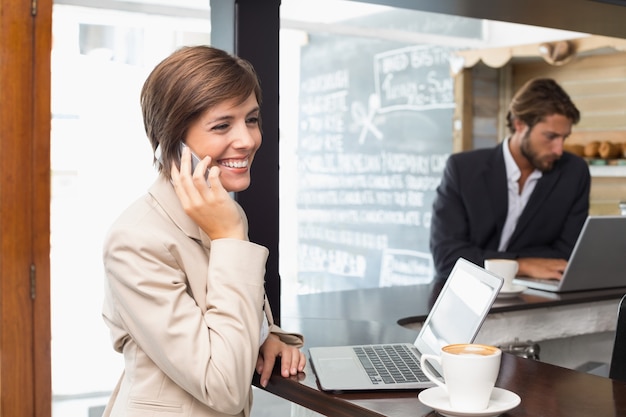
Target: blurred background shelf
(608,170)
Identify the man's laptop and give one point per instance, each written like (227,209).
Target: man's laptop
(456,317)
(598,260)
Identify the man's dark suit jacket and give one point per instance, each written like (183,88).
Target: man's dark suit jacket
(472,202)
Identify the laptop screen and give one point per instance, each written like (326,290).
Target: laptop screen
(460,309)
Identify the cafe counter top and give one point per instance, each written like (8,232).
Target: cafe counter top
(544,389)
(411,304)
(575,320)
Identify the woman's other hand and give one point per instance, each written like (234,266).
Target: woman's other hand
(292,359)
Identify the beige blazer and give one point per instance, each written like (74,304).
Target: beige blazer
(185,312)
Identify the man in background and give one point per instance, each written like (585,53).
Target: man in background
(525,199)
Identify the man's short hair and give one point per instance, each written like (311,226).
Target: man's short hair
(538,99)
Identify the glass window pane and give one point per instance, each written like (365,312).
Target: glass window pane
(364,153)
(100,164)
(367,105)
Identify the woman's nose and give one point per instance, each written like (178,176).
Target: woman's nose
(245,136)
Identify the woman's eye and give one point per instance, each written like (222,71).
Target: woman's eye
(223,126)
(252,120)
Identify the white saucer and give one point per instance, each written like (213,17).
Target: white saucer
(500,402)
(513,292)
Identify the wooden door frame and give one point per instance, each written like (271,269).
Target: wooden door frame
(25,339)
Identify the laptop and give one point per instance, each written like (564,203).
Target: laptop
(598,260)
(456,317)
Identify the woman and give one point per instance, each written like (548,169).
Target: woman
(184,294)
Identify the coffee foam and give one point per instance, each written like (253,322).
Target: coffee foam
(471,349)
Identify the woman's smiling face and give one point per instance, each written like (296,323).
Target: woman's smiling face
(230,134)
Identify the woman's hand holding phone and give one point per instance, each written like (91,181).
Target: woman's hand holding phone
(195,160)
(205,200)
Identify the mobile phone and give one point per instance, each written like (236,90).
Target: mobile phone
(157,155)
(195,160)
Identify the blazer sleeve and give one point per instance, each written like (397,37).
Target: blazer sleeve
(294,339)
(451,234)
(210,354)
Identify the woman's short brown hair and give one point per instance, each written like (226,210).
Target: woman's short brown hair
(183,86)
(537,99)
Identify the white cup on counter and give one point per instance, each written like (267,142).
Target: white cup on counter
(504,268)
(469,374)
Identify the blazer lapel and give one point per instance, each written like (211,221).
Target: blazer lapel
(163,192)
(165,195)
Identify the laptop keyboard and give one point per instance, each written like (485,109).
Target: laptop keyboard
(390,364)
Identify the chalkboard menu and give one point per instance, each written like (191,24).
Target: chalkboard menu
(375,130)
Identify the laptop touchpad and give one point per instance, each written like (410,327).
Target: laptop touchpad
(336,365)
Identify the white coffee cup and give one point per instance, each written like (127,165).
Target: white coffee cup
(505,268)
(469,374)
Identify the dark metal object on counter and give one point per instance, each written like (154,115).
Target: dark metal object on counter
(526,349)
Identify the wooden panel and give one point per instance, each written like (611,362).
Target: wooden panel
(486,104)
(597,87)
(40,200)
(463,123)
(608,189)
(25,40)
(606,193)
(586,70)
(611,104)
(602,122)
(582,137)
(486,126)
(16,333)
